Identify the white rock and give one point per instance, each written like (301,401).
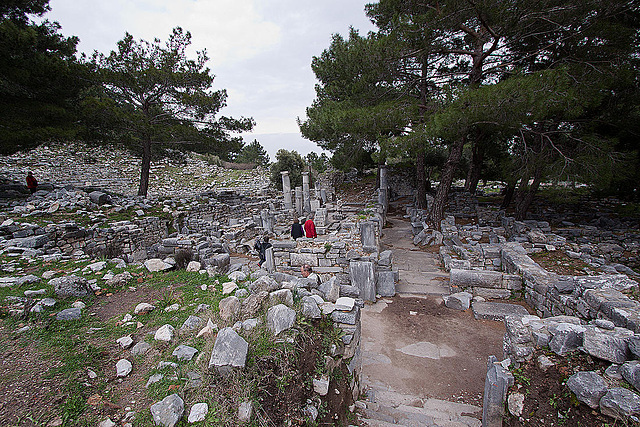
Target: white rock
(125,342)
(107,423)
(210,329)
(344,303)
(92,375)
(194,266)
(229,287)
(143,308)
(127,318)
(123,368)
(172,307)
(198,412)
(165,333)
(79,304)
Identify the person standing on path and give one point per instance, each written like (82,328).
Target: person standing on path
(310,228)
(32,183)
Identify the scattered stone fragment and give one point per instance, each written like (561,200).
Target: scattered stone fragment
(164,333)
(198,412)
(321,385)
(69,286)
(69,314)
(458,301)
(210,329)
(515,403)
(280,318)
(143,308)
(194,266)
(156,264)
(229,308)
(154,379)
(245,412)
(631,373)
(191,323)
(184,352)
(229,287)
(125,342)
(168,411)
(229,352)
(140,348)
(123,368)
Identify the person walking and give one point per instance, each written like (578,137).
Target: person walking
(32,183)
(261,247)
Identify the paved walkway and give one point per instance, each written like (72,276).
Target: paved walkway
(423,364)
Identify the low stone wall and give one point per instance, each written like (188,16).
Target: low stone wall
(587,297)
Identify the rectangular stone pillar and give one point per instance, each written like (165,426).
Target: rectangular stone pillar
(363,277)
(306,192)
(368,236)
(323,196)
(286,190)
(266,224)
(269,263)
(299,204)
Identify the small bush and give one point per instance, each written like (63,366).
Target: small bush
(183,258)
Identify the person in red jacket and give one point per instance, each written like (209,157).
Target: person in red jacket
(310,228)
(32,183)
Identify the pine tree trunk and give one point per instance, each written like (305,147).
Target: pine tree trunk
(421,182)
(473,176)
(442,193)
(146,167)
(523,206)
(508,194)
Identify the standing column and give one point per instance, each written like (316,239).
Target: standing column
(306,192)
(384,187)
(299,200)
(286,189)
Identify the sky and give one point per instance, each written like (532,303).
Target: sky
(260,50)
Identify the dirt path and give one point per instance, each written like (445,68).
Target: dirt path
(423,363)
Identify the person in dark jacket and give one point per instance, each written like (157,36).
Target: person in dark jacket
(32,183)
(296,229)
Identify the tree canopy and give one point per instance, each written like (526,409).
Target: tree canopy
(152,93)
(531,82)
(40,78)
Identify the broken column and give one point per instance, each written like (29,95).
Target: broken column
(363,277)
(384,186)
(299,204)
(269,263)
(286,189)
(306,192)
(267,224)
(368,236)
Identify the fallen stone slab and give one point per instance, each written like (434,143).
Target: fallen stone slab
(620,403)
(631,373)
(156,264)
(566,337)
(610,345)
(184,352)
(229,352)
(497,310)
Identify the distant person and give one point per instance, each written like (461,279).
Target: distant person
(310,228)
(261,247)
(296,229)
(32,182)
(307,273)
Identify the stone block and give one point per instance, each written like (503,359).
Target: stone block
(458,301)
(566,337)
(588,386)
(280,318)
(610,345)
(620,403)
(362,276)
(497,383)
(299,259)
(386,285)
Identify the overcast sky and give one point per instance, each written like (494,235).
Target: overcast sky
(260,50)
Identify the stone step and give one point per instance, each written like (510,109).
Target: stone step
(405,289)
(497,310)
